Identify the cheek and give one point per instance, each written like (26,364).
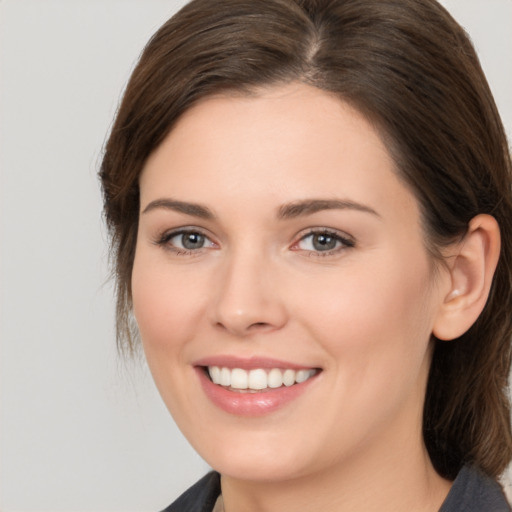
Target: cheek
(374,315)
(376,327)
(166,304)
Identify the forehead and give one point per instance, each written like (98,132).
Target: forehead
(289,142)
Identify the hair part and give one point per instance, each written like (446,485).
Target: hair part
(410,69)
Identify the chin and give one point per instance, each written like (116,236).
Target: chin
(258,470)
(263,457)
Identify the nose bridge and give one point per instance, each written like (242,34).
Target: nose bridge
(247,297)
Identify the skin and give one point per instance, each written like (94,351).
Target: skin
(363,313)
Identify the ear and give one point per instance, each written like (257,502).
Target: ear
(471,266)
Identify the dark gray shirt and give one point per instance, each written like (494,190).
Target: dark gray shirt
(472,491)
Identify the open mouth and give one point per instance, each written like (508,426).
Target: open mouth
(258,379)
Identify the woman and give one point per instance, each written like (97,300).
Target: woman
(310,210)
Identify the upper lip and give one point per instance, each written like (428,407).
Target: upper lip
(251,363)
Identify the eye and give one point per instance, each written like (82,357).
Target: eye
(185,241)
(323,242)
(189,241)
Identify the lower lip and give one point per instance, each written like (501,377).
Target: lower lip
(250,403)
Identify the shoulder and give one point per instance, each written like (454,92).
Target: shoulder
(473,491)
(201,497)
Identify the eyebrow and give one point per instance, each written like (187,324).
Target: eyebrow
(310,206)
(286,211)
(193,209)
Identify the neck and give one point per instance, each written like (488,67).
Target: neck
(398,477)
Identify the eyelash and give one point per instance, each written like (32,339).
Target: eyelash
(165,239)
(343,241)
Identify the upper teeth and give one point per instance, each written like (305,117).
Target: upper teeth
(257,379)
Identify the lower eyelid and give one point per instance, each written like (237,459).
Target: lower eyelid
(342,241)
(166,237)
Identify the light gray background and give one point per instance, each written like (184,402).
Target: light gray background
(79,429)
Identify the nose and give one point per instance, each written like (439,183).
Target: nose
(248,298)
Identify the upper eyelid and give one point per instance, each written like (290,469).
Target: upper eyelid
(165,236)
(184,229)
(343,236)
(346,242)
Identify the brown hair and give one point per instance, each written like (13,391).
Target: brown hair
(411,69)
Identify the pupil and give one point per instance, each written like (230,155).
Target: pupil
(324,242)
(193,241)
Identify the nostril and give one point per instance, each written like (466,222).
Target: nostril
(258,325)
(256,318)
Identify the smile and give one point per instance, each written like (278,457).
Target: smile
(253,387)
(258,379)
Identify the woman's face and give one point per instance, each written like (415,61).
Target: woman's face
(277,244)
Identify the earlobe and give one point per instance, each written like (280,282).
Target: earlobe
(471,269)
